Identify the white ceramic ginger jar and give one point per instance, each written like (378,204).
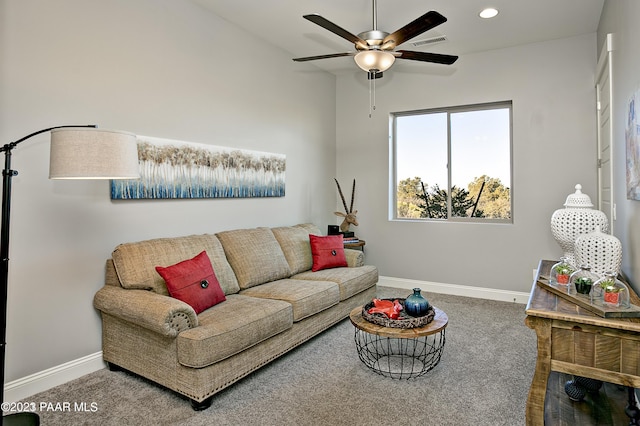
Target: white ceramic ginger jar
(577,218)
(602,251)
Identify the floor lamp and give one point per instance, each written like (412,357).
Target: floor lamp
(77,152)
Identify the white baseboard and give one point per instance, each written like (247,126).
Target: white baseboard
(25,387)
(456,290)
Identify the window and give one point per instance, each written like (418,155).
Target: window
(452,163)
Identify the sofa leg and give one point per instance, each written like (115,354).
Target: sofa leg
(202,405)
(114,367)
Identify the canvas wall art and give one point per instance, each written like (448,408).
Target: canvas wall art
(632,140)
(177,169)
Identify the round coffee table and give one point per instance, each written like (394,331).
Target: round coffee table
(399,353)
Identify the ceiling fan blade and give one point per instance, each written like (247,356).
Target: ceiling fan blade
(427,57)
(424,23)
(332,55)
(328,25)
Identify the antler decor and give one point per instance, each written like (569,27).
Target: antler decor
(349,214)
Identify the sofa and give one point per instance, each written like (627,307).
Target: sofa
(273,299)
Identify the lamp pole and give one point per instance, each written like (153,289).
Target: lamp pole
(7,174)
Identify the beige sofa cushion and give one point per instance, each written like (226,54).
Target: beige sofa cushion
(231,327)
(135,262)
(254,255)
(310,228)
(306,297)
(350,280)
(294,241)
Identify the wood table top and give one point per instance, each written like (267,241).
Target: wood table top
(439,322)
(545,304)
(360,243)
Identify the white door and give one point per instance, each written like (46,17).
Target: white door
(604,86)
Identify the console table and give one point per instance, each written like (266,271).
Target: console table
(573,340)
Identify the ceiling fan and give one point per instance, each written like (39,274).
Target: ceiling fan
(375,49)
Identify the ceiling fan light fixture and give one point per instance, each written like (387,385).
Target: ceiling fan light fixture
(488,13)
(374,60)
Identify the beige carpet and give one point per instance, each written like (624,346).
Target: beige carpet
(482,379)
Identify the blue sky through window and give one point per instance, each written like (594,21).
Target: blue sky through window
(480,146)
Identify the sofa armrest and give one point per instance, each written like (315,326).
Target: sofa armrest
(354,257)
(156,312)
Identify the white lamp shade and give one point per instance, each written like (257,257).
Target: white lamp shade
(90,153)
(377,60)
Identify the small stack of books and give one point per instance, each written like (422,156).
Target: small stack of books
(351,240)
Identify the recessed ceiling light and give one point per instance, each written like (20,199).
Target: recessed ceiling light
(489,12)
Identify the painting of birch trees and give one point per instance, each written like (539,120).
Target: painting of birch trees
(176,169)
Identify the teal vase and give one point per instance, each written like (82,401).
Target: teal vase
(415,305)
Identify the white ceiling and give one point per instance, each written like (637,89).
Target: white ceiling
(280,23)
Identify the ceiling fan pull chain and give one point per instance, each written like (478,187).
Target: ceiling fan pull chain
(371,74)
(373,81)
(370,98)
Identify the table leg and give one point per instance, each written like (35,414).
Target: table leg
(399,357)
(538,389)
(631,409)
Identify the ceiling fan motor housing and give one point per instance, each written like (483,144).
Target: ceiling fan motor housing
(373,37)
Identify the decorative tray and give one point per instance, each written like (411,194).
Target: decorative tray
(584,301)
(404,320)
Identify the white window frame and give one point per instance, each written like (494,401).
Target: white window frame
(393,179)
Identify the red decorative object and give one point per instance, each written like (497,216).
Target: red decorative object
(611,297)
(563,279)
(387,307)
(327,252)
(194,282)
(403,321)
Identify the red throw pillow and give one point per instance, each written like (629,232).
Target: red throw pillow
(193,282)
(327,252)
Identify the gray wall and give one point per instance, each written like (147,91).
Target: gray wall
(553,92)
(619,17)
(159,68)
